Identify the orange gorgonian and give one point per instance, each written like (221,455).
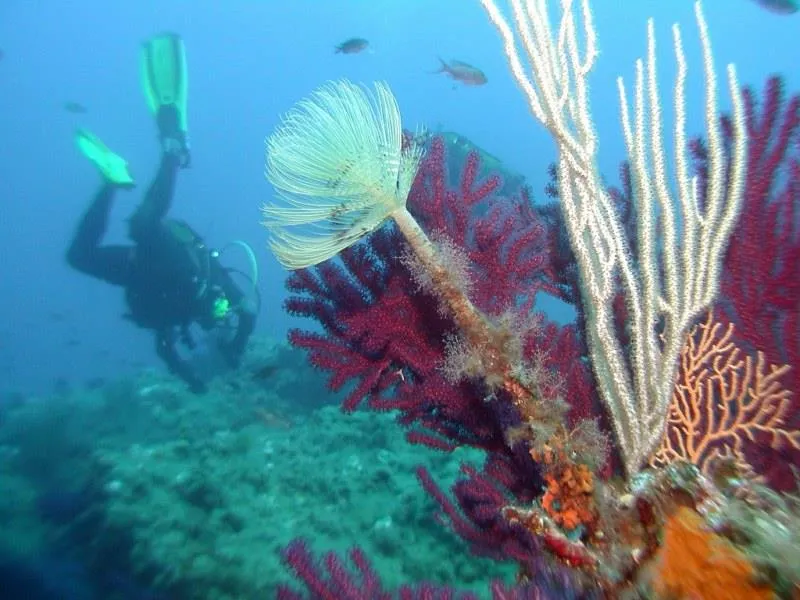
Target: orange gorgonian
(723,401)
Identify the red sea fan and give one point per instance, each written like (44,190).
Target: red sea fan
(385,333)
(331,578)
(761,279)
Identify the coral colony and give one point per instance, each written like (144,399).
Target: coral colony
(645,448)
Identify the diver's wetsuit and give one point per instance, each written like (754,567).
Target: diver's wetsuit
(171,278)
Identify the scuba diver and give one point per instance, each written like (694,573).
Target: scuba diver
(171,278)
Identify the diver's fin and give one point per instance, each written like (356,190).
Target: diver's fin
(164,78)
(112,166)
(165,85)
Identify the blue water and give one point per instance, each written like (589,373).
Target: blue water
(248,63)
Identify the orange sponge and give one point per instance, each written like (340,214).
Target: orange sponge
(695,562)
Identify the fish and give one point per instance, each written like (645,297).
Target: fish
(74,107)
(463,72)
(352,46)
(781,7)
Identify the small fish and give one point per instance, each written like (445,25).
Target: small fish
(74,107)
(352,46)
(463,72)
(781,7)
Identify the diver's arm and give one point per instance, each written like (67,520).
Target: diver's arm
(165,347)
(234,349)
(245,309)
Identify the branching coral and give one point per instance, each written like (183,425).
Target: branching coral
(386,334)
(314,159)
(664,291)
(725,402)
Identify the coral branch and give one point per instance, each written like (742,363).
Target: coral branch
(724,402)
(664,290)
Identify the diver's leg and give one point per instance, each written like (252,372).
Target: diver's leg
(155,205)
(174,139)
(165,348)
(85,254)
